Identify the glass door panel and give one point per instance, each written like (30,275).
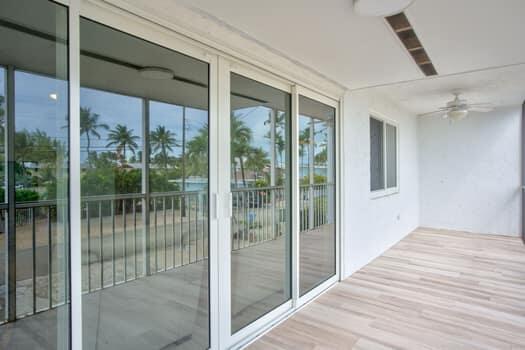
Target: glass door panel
(144,180)
(260,187)
(317,236)
(34,171)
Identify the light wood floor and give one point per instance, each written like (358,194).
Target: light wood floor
(433,290)
(169,310)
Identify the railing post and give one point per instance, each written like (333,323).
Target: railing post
(11,196)
(330,186)
(145,186)
(273,167)
(311,174)
(183,208)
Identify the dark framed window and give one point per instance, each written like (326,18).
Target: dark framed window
(383,155)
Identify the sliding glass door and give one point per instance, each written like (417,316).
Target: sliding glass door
(260,189)
(279,242)
(34,171)
(191,203)
(317,203)
(144,182)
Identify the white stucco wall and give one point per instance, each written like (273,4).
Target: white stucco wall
(469,172)
(373,225)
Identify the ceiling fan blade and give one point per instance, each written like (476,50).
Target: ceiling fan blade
(481,104)
(436,112)
(480,109)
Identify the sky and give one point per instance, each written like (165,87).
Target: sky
(119,109)
(41,104)
(36,109)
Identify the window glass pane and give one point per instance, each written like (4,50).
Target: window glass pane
(144,116)
(34,293)
(304,149)
(391,156)
(110,144)
(3,199)
(377,179)
(196,150)
(260,257)
(317,194)
(166,138)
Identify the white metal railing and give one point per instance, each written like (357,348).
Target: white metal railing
(122,242)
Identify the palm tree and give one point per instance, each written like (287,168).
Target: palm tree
(2,99)
(123,139)
(241,136)
(2,113)
(280,125)
(163,140)
(257,161)
(197,153)
(304,140)
(89,125)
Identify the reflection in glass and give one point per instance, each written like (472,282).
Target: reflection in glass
(391,155)
(260,257)
(3,199)
(377,173)
(144,180)
(317,238)
(34,150)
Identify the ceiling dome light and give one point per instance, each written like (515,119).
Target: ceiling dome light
(380,8)
(158,73)
(457,114)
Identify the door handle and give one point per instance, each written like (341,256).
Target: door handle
(230,205)
(215,201)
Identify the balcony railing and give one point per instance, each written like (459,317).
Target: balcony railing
(314,206)
(258,215)
(122,242)
(40,253)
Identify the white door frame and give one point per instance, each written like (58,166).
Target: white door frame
(310,295)
(244,335)
(220,66)
(105,14)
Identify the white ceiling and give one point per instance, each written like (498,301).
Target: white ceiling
(464,35)
(500,87)
(324,35)
(358,52)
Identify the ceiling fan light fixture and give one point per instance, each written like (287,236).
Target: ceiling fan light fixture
(380,8)
(457,114)
(157,73)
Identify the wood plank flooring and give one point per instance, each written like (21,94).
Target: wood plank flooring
(170,309)
(433,290)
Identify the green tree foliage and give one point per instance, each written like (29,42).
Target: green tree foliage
(22,195)
(197,154)
(123,139)
(162,142)
(257,160)
(2,110)
(160,181)
(241,136)
(90,125)
(106,177)
(304,141)
(280,127)
(321,157)
(39,160)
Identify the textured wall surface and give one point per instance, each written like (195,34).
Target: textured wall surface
(372,225)
(470,172)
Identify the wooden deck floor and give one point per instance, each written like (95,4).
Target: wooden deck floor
(433,290)
(170,309)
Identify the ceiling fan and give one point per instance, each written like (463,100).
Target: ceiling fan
(458,109)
